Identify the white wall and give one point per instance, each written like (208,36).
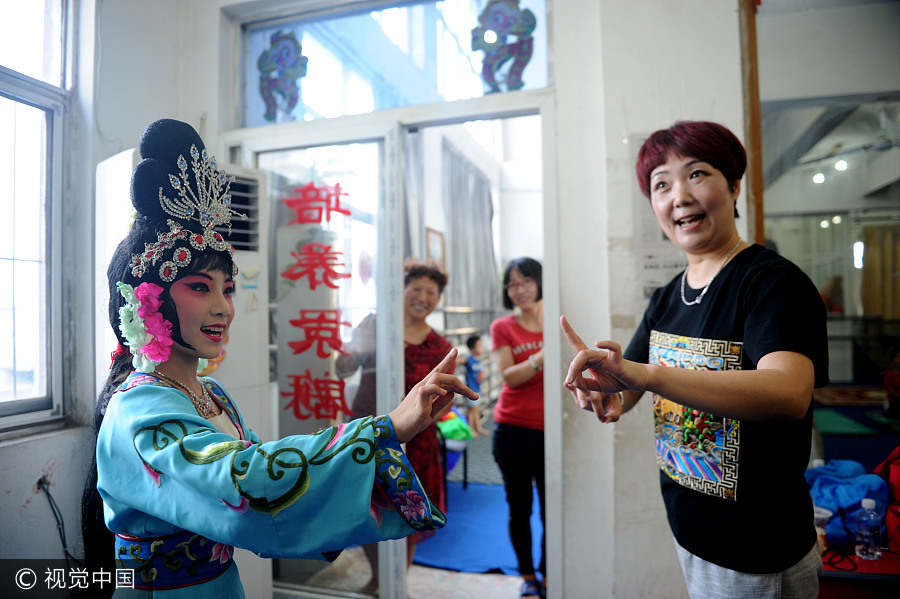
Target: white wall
(521,213)
(589,498)
(829,52)
(28,529)
(137,70)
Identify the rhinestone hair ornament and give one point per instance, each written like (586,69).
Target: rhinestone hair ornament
(209,205)
(181,256)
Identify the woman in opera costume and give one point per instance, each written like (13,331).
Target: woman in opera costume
(181,478)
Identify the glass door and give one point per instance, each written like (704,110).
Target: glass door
(331,263)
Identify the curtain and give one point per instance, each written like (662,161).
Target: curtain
(881,266)
(470,261)
(413,166)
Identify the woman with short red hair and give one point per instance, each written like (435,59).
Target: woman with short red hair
(730,350)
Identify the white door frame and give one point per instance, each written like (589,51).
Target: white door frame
(243,146)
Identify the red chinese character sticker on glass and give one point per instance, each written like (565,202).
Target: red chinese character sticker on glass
(317,262)
(320,327)
(319,398)
(312,203)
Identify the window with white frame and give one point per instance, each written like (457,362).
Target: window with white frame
(419,52)
(32,101)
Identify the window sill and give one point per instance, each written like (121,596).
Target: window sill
(27,432)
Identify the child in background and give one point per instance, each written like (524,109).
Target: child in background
(473,377)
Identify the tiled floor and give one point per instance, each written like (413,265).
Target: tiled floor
(432,583)
(350,572)
(482,467)
(443,584)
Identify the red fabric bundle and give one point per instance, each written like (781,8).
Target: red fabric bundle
(892,524)
(889,470)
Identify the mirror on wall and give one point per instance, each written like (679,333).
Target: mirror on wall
(829,95)
(832,206)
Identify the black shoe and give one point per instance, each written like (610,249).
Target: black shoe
(531,588)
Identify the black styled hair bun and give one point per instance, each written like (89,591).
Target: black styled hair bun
(161,144)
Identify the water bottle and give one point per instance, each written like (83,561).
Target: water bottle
(868,531)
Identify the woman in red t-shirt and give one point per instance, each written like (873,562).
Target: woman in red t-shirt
(518,443)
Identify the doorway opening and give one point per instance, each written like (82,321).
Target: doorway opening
(472,200)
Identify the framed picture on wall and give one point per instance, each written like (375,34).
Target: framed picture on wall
(434,246)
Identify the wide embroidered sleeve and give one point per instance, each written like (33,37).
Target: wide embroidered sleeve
(161,467)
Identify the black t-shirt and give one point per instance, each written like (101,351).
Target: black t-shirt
(734,489)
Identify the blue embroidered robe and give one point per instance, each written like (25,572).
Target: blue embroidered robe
(175,487)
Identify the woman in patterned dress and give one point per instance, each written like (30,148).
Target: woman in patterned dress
(423,284)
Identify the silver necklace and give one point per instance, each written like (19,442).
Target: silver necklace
(204,405)
(703,291)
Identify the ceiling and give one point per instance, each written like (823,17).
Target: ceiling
(806,132)
(873,126)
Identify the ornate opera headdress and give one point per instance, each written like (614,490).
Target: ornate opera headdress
(207,201)
(170,195)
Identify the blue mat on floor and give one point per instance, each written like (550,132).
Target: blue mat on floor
(476,538)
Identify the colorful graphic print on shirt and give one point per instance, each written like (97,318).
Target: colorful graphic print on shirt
(696,449)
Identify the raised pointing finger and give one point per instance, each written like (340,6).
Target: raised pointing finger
(435,389)
(574,340)
(450,382)
(577,365)
(444,364)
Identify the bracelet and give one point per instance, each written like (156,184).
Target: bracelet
(533,362)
